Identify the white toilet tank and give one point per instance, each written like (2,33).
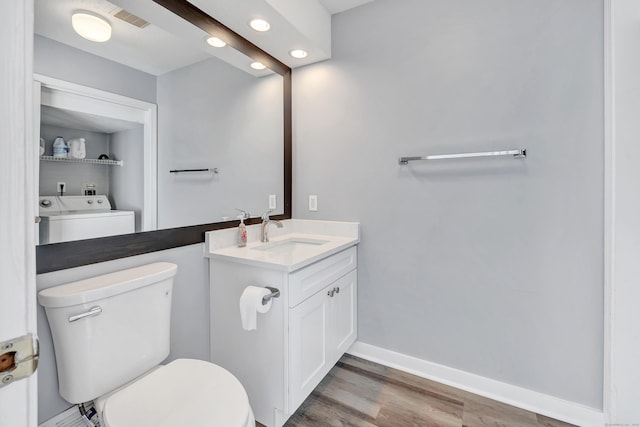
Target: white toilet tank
(109,329)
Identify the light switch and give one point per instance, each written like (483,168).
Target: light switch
(272,201)
(313,203)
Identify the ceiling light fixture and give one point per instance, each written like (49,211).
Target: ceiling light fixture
(259,25)
(298,53)
(91,26)
(258,66)
(216,42)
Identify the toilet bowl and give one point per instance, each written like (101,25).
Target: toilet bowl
(111,333)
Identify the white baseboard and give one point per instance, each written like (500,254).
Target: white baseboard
(534,401)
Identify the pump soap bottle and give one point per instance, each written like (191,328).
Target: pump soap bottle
(242,232)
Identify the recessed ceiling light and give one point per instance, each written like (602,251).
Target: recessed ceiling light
(216,42)
(259,25)
(91,26)
(298,53)
(258,66)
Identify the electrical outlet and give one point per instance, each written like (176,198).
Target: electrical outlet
(313,203)
(272,201)
(62,187)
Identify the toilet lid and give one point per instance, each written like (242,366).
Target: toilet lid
(185,392)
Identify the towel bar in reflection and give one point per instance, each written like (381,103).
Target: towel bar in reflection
(214,170)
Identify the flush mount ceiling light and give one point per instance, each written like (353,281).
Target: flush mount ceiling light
(216,42)
(258,66)
(259,25)
(298,53)
(91,26)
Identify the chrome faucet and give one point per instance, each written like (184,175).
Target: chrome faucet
(264,229)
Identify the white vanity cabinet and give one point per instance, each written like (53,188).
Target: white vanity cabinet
(307,329)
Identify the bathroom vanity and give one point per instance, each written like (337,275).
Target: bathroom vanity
(310,324)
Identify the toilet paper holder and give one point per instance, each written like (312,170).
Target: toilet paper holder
(275,293)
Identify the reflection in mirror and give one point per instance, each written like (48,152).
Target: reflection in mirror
(213,112)
(82,171)
(78,190)
(210,115)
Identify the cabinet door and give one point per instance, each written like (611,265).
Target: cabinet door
(343,329)
(321,329)
(308,346)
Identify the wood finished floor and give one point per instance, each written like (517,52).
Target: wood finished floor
(360,393)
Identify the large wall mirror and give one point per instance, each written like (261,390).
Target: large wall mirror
(155,136)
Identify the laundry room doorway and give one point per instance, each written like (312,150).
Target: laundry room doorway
(119,160)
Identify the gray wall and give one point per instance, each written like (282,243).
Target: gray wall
(189,318)
(63,62)
(491,266)
(210,114)
(127,182)
(74,174)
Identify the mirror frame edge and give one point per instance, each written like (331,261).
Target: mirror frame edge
(65,255)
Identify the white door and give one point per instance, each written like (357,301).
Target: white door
(18,405)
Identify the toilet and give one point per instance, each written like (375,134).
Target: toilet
(110,335)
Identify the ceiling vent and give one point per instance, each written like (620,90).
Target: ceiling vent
(131,18)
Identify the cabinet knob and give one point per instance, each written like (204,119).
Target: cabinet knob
(337,289)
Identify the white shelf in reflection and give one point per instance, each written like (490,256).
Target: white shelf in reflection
(90,161)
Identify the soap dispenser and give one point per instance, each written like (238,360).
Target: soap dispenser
(242,229)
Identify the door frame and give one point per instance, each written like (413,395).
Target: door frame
(18,400)
(621,352)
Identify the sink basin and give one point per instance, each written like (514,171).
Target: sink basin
(290,245)
(301,243)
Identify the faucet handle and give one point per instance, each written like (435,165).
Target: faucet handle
(265,216)
(245,214)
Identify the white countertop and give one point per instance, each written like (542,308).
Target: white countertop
(329,238)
